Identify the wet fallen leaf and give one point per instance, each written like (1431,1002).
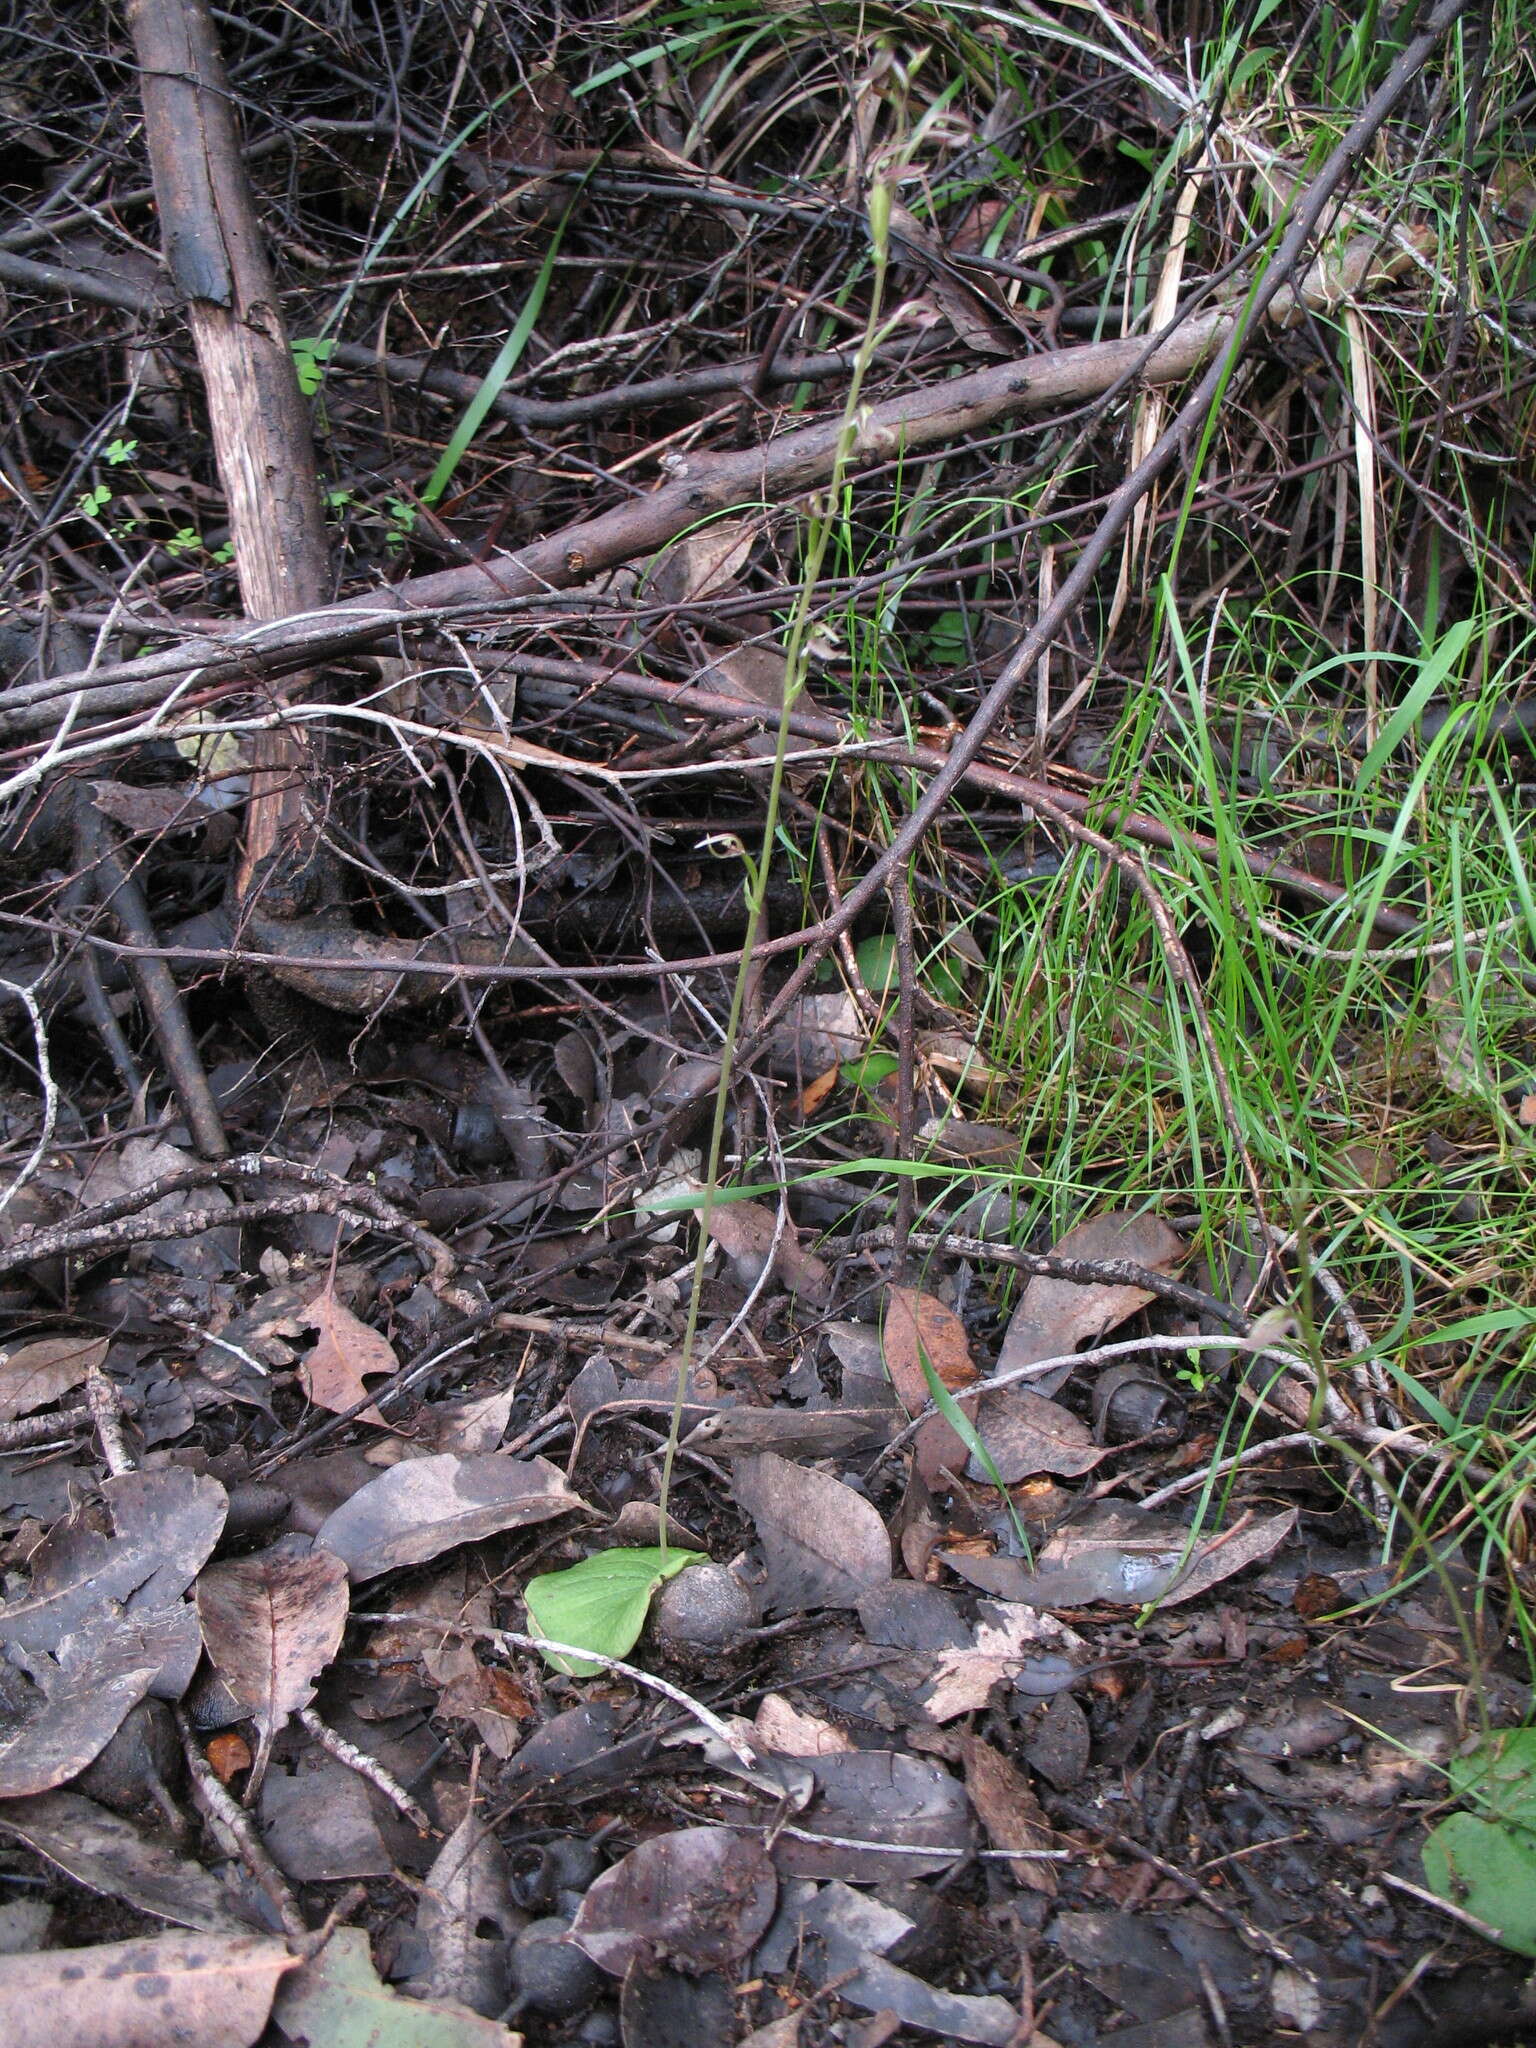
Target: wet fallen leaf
(271,1624)
(213,1989)
(164,1526)
(108,1854)
(465,1918)
(35,1374)
(824,1544)
(348,1353)
(337,1999)
(425,1506)
(1055,1317)
(703,1895)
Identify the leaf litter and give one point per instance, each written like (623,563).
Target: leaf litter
(294,1487)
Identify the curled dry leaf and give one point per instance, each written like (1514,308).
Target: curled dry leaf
(425,1506)
(824,1544)
(348,1353)
(213,1989)
(704,1895)
(271,1624)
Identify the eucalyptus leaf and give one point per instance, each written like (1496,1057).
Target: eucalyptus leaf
(600,1604)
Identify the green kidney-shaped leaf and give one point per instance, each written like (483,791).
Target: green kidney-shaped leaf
(1500,1777)
(1489,1871)
(600,1604)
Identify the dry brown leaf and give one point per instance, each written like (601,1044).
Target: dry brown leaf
(37,1373)
(271,1624)
(963,1678)
(915,1323)
(1055,1317)
(1009,1811)
(213,1989)
(348,1353)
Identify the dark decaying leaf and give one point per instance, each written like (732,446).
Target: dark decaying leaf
(337,2000)
(832,1935)
(213,1989)
(465,1920)
(318,1820)
(701,1896)
(1009,1811)
(1025,1434)
(108,1854)
(72,1708)
(1055,1317)
(907,1811)
(271,1624)
(824,1544)
(35,1374)
(684,2010)
(164,1526)
(425,1506)
(1126,1559)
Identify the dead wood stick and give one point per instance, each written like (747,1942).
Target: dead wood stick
(1027,790)
(118,891)
(260,422)
(782,468)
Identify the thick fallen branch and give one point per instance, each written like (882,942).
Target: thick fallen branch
(706,486)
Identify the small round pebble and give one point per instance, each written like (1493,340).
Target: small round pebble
(550,1973)
(704,1611)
